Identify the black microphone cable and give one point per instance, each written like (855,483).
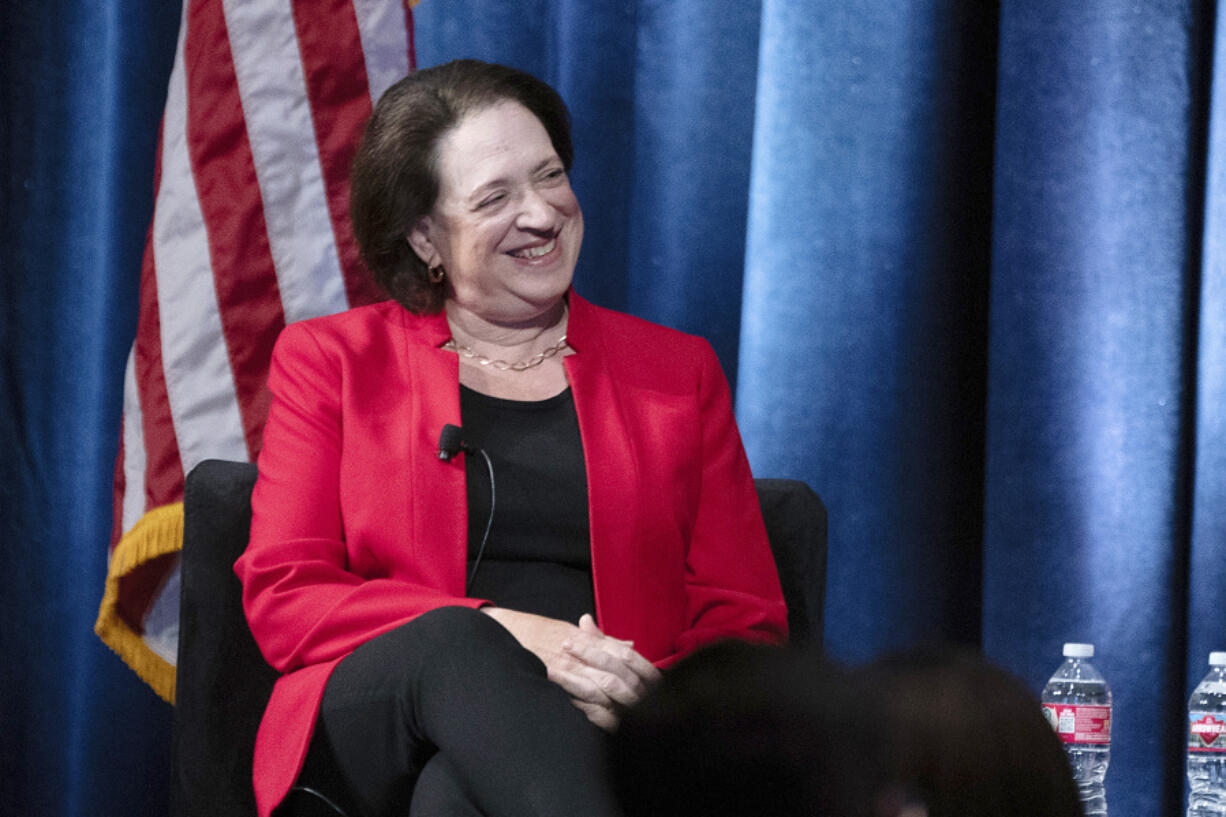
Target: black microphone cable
(320,797)
(488,522)
(450,443)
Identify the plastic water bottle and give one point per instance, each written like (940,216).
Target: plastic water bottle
(1207,742)
(1077,703)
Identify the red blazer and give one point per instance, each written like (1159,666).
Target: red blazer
(358,527)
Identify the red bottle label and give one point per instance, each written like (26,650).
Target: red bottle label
(1206,733)
(1080,723)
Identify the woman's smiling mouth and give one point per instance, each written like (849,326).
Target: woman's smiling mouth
(535,252)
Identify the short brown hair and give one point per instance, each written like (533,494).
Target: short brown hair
(394,182)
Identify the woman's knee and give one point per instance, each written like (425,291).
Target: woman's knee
(445,641)
(452,624)
(463,631)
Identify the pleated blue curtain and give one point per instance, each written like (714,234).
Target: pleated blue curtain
(865,310)
(965,263)
(1097,269)
(82,86)
(1008,275)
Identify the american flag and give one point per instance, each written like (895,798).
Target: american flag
(266,102)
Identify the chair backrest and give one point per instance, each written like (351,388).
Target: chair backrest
(796,527)
(224,683)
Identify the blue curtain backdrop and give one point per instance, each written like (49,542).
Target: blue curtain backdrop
(82,86)
(965,263)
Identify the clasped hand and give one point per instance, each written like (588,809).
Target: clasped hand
(600,673)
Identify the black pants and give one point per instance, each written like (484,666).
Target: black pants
(447,716)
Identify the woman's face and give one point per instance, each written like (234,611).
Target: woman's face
(506,226)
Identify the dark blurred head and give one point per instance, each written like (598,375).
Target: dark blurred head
(737,729)
(394,182)
(967,738)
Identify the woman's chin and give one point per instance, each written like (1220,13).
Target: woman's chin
(542,290)
(522,305)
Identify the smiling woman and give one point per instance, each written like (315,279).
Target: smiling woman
(443,653)
(503,192)
(506,232)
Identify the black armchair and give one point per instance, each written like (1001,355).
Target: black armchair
(224,683)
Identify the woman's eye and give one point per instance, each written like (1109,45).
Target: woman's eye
(489,201)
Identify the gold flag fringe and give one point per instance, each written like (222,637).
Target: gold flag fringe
(158,533)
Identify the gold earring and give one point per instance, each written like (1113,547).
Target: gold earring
(437,273)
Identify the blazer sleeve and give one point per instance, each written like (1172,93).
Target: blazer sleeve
(731,583)
(302,602)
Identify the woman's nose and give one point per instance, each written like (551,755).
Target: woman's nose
(535,211)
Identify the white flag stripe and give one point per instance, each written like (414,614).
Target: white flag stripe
(161,621)
(133,447)
(268,67)
(199,381)
(384,65)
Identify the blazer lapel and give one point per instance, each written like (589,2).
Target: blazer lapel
(611,467)
(437,489)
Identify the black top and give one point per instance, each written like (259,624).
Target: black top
(538,557)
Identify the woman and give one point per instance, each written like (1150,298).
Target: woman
(625,530)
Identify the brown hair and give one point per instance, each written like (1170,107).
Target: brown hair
(966,737)
(739,728)
(394,182)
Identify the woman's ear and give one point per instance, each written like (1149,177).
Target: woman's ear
(419,240)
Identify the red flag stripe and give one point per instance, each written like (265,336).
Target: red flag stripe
(148,425)
(335,72)
(159,467)
(245,281)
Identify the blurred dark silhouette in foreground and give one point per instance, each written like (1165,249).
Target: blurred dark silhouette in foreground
(739,729)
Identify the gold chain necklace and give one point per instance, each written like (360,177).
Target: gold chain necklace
(502,365)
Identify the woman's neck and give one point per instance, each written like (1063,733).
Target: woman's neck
(512,342)
(498,338)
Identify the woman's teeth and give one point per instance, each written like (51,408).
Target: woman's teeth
(536,252)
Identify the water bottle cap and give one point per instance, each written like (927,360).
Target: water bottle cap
(1074,650)
(1217,659)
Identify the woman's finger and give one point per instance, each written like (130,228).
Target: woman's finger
(588,625)
(620,649)
(576,683)
(628,657)
(594,685)
(603,717)
(641,667)
(621,675)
